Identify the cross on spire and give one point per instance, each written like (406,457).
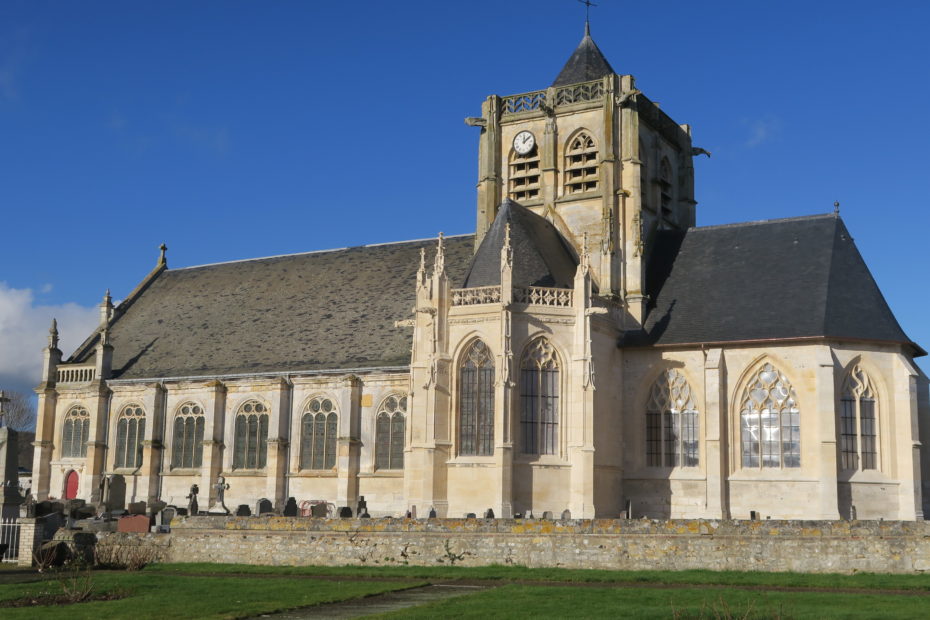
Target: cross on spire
(587,15)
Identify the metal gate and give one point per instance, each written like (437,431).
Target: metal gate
(9,536)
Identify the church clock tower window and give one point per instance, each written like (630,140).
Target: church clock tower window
(524,175)
(581,164)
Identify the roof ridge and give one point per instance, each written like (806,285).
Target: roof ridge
(797,218)
(350,247)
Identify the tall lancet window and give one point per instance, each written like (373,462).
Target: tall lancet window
(770,421)
(187,451)
(319,427)
(539,399)
(389,433)
(580,164)
(251,436)
(130,430)
(672,424)
(858,426)
(476,401)
(74,433)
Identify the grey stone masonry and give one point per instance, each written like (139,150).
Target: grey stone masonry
(800,546)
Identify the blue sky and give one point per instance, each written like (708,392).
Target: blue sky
(231,130)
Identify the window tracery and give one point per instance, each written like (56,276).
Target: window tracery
(319,427)
(581,164)
(770,421)
(476,401)
(130,430)
(251,436)
(75,432)
(389,432)
(524,175)
(672,423)
(189,424)
(858,422)
(539,399)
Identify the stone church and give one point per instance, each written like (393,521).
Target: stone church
(588,349)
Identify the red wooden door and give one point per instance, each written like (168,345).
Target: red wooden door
(71,485)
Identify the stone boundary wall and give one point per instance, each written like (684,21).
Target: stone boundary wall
(801,546)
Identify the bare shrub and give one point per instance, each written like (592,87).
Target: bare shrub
(125,557)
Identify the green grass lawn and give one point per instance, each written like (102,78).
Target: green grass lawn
(517,601)
(865,581)
(152,595)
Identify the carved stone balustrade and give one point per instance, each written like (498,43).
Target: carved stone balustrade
(76,374)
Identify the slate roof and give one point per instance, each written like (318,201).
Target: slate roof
(321,310)
(586,63)
(541,256)
(775,279)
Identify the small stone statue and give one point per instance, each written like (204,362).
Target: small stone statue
(192,507)
(221,487)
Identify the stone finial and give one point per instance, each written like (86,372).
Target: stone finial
(163,257)
(106,308)
(421,270)
(439,264)
(836,208)
(53,335)
(506,249)
(585,256)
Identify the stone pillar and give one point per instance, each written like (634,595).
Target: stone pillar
(348,445)
(826,433)
(609,274)
(45,417)
(581,405)
(30,538)
(489,167)
(503,395)
(276,466)
(631,205)
(906,440)
(98,405)
(213,446)
(153,445)
(715,435)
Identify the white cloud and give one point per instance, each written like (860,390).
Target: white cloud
(24,332)
(762,130)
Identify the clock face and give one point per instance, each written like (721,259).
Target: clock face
(524,142)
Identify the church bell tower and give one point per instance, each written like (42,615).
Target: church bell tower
(595,157)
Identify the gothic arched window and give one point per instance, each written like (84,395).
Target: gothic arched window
(318,430)
(672,428)
(770,420)
(476,401)
(858,427)
(524,175)
(665,185)
(389,432)
(130,431)
(188,437)
(74,433)
(580,164)
(539,399)
(250,449)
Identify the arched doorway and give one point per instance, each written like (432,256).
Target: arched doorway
(71,485)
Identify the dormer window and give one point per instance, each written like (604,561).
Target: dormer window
(581,164)
(524,175)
